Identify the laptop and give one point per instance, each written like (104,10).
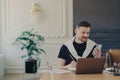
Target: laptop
(90,65)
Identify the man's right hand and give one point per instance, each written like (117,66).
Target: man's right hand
(72,64)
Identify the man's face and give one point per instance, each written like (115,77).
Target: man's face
(82,33)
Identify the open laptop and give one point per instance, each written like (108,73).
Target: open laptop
(90,65)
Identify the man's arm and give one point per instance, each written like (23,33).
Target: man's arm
(62,63)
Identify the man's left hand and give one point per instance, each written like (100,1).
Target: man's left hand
(96,53)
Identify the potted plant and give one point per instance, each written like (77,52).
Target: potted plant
(31,42)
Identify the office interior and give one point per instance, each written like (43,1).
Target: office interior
(55,20)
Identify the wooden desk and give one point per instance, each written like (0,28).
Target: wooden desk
(72,76)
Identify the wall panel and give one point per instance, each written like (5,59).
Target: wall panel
(54,23)
(104,18)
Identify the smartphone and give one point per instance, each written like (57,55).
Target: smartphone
(99,46)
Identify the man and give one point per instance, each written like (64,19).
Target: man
(79,46)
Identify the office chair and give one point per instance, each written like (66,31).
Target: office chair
(113,55)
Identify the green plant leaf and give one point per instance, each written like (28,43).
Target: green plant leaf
(22,38)
(23,56)
(41,38)
(31,42)
(42,50)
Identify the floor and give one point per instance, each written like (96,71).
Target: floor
(21,77)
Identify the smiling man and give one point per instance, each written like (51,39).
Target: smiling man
(80,46)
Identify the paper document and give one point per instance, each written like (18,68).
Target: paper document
(57,71)
(72,69)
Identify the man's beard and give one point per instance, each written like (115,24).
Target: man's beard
(83,39)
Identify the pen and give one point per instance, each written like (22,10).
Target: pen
(72,58)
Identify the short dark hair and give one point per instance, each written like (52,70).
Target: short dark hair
(84,24)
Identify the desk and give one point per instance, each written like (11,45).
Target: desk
(73,76)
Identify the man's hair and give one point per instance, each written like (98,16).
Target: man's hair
(83,24)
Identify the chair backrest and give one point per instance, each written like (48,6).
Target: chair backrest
(114,56)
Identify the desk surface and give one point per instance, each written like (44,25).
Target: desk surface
(73,76)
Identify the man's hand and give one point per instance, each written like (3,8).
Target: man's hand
(72,64)
(96,53)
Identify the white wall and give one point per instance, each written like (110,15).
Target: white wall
(54,23)
(2,65)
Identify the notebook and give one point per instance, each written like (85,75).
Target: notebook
(90,65)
